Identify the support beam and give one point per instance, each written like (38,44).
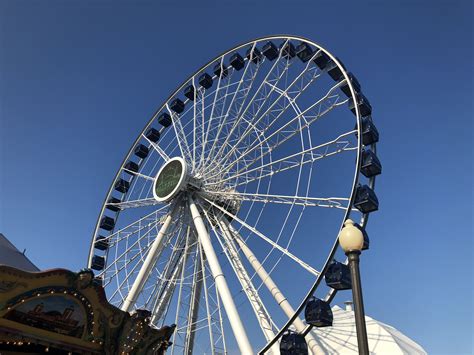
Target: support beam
(251,292)
(187,253)
(206,298)
(168,284)
(194,306)
(229,305)
(149,263)
(313,345)
(166,293)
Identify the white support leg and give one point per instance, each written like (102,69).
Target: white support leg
(252,294)
(313,345)
(148,264)
(224,292)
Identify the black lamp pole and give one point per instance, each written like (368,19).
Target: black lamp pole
(358,301)
(351,241)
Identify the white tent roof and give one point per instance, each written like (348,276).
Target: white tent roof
(341,338)
(11,256)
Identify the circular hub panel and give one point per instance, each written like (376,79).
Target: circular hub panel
(170,179)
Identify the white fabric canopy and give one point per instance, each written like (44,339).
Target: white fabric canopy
(11,256)
(341,338)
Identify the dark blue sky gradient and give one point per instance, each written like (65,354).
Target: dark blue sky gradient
(79,79)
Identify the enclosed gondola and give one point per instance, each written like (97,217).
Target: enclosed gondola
(177,105)
(270,51)
(338,276)
(101,243)
(293,344)
(318,313)
(366,201)
(189,92)
(237,61)
(152,134)
(111,204)
(122,186)
(304,52)
(205,80)
(141,151)
(164,119)
(371,165)
(254,55)
(288,50)
(107,223)
(98,262)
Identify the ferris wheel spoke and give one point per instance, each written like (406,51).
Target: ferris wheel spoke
(157,148)
(135,203)
(193,83)
(249,104)
(262,236)
(305,201)
(271,109)
(282,165)
(310,155)
(253,102)
(211,116)
(247,85)
(180,135)
(134,173)
(285,132)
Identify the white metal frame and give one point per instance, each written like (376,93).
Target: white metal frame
(227,166)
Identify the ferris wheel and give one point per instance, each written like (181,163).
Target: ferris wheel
(224,215)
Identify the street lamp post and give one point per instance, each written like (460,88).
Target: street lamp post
(351,241)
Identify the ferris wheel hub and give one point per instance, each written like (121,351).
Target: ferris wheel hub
(170,180)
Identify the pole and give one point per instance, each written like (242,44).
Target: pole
(361,329)
(229,305)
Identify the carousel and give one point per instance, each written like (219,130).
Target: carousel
(62,312)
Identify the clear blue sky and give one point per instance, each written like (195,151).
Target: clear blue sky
(79,79)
